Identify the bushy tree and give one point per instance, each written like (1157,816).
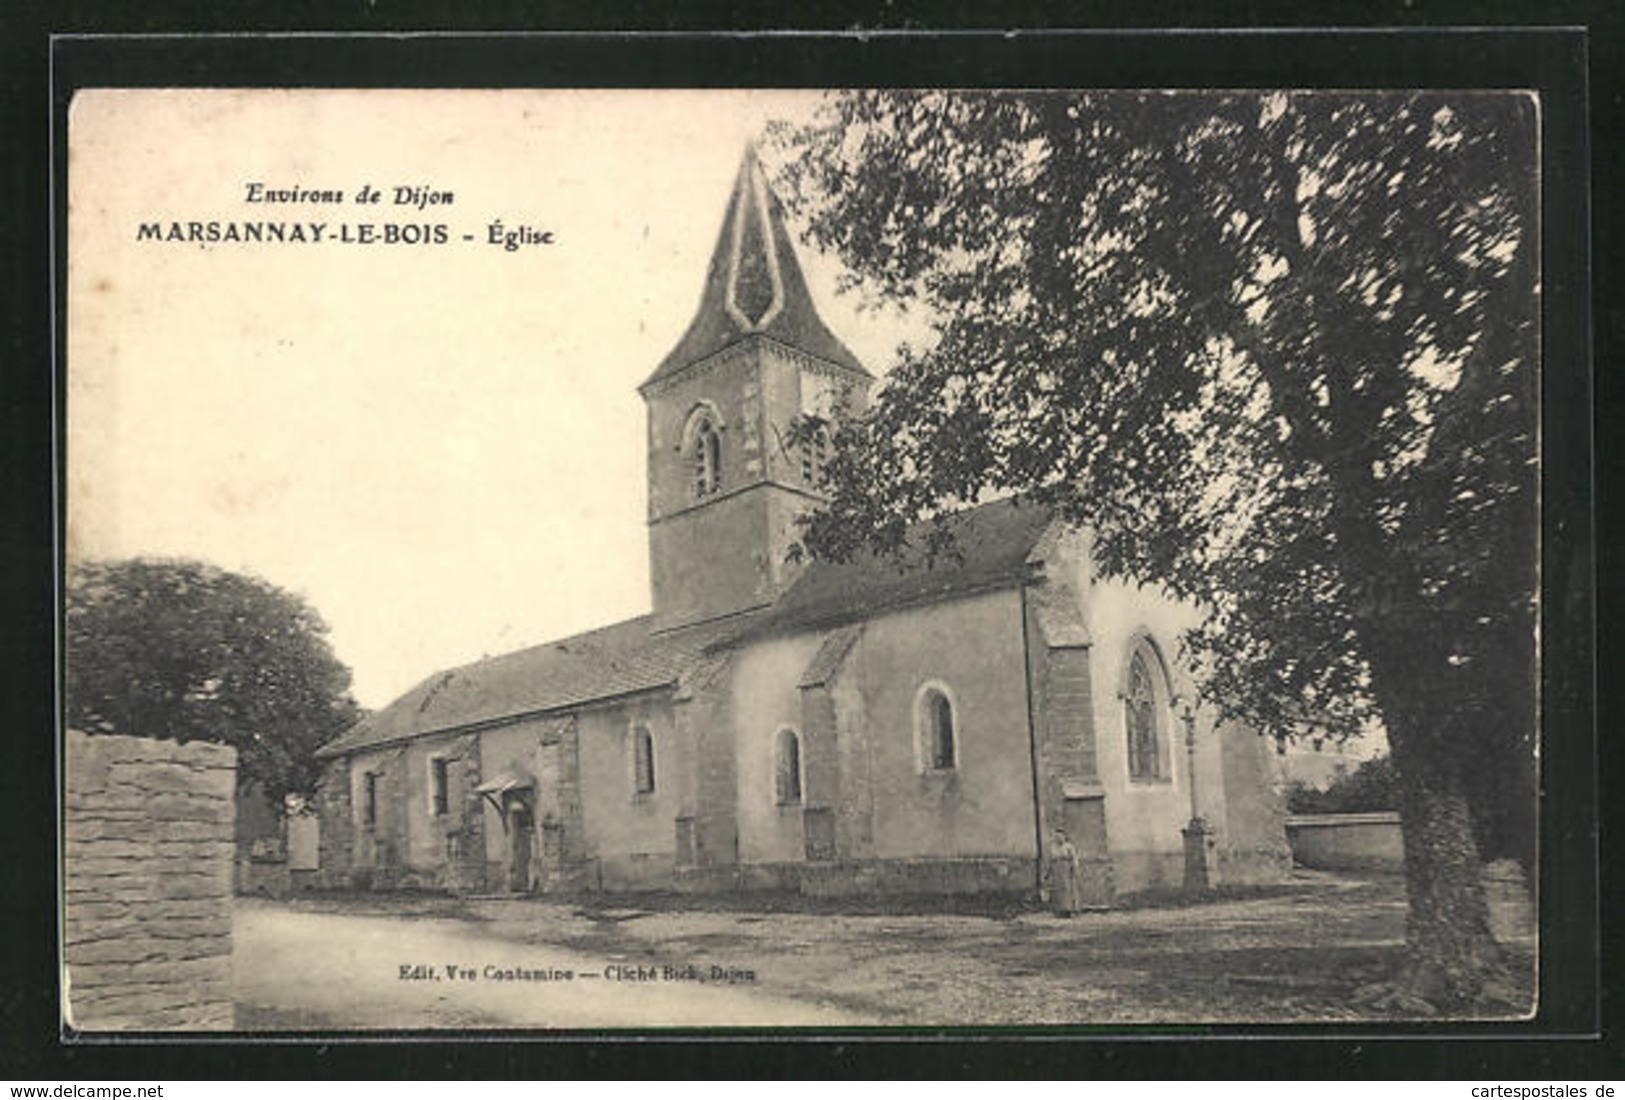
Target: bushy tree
(1369,788)
(183,651)
(1279,353)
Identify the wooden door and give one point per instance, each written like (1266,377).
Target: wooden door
(519,840)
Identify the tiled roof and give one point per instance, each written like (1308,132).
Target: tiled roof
(600,664)
(991,547)
(754,286)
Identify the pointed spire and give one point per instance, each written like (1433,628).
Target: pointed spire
(754,284)
(754,288)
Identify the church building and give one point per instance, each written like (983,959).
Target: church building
(1004,720)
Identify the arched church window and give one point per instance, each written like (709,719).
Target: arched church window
(936,730)
(643,760)
(1147,758)
(707,458)
(439,787)
(787,769)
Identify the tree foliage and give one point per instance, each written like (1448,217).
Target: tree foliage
(1369,788)
(1277,351)
(184,651)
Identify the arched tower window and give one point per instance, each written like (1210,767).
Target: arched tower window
(936,730)
(1145,706)
(787,768)
(707,457)
(643,760)
(814,454)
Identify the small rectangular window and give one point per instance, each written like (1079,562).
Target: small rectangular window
(438,795)
(369,799)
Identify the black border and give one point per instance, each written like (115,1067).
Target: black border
(1551,61)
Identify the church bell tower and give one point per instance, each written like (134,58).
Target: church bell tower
(725,484)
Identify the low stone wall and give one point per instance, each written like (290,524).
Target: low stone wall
(969,876)
(639,871)
(1140,872)
(998,876)
(266,878)
(1346,842)
(148,884)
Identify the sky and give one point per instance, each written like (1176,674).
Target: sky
(440,447)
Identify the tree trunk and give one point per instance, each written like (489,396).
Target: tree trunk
(1453,961)
(1452,954)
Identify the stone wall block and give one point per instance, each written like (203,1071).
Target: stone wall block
(97,809)
(149,850)
(178,778)
(335,841)
(146,982)
(165,954)
(97,909)
(820,759)
(111,849)
(706,718)
(180,807)
(143,930)
(87,825)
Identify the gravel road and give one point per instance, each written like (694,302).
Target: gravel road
(1292,953)
(295,969)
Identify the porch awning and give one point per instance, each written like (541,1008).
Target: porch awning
(508,779)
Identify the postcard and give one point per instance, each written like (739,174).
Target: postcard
(462,632)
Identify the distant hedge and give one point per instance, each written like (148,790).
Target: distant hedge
(1366,789)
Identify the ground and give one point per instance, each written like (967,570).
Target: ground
(1297,952)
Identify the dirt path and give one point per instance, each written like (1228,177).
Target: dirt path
(1289,954)
(1292,953)
(295,969)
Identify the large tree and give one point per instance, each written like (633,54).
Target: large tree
(183,651)
(1279,352)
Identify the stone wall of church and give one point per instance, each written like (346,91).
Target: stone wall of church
(631,836)
(939,876)
(855,808)
(563,851)
(712,560)
(1253,842)
(336,837)
(1145,818)
(729,551)
(148,884)
(875,819)
(707,722)
(766,699)
(708,555)
(719,385)
(381,839)
(971,647)
(437,845)
(545,750)
(513,748)
(404,844)
(1072,801)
